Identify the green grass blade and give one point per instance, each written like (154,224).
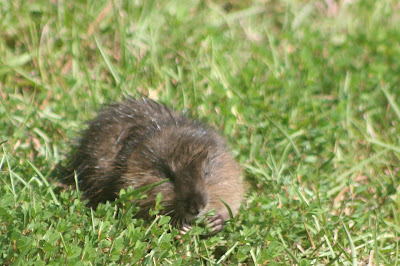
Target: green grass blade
(384,145)
(353,250)
(227,253)
(45,182)
(106,59)
(391,101)
(296,149)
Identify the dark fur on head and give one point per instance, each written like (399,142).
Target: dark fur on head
(141,142)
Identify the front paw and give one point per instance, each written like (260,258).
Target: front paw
(215,223)
(185,228)
(183,231)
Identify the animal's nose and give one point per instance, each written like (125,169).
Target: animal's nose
(194,209)
(194,206)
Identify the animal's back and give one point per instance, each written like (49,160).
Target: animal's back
(116,132)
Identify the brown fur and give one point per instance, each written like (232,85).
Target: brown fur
(140,142)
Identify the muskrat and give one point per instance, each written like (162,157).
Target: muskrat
(141,142)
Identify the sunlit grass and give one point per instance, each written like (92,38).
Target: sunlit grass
(306,93)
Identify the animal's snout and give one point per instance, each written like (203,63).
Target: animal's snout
(194,204)
(194,208)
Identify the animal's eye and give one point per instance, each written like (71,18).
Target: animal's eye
(206,173)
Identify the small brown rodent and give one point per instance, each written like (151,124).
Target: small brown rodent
(141,142)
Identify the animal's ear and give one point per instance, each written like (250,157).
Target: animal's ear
(206,168)
(205,154)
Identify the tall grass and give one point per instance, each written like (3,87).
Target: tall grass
(306,92)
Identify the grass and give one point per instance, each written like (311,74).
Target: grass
(306,93)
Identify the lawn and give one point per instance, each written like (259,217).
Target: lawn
(305,92)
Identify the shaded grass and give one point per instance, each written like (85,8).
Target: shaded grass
(307,97)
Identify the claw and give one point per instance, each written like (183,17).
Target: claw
(184,230)
(215,223)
